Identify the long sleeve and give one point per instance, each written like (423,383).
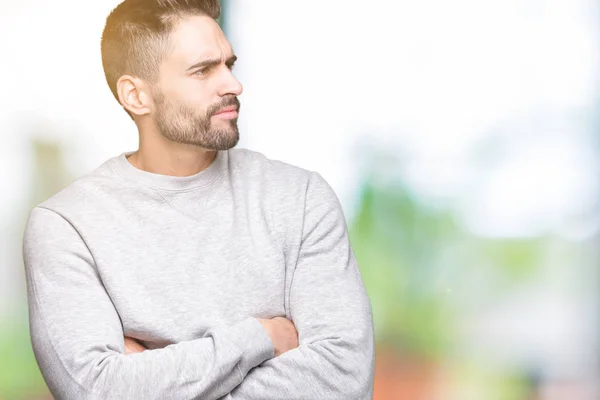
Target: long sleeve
(77,335)
(332,314)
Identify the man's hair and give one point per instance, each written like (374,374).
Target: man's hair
(136,35)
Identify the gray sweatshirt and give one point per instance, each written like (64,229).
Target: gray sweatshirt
(186,265)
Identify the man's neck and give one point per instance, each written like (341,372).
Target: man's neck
(167,158)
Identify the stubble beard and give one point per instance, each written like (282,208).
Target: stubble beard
(181,124)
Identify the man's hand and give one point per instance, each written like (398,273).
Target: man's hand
(133,346)
(282,332)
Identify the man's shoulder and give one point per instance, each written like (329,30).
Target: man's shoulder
(258,164)
(87,188)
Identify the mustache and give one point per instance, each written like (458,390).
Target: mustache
(225,102)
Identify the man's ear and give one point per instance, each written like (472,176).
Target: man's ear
(133,95)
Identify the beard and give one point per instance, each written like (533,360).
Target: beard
(182,124)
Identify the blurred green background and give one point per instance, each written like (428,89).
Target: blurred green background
(462,140)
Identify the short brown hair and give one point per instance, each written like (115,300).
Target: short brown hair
(135,37)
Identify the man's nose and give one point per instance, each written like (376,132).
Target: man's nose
(230,85)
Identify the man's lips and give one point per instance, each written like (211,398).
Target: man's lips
(227,112)
(227,109)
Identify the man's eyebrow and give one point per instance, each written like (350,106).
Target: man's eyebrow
(211,62)
(231,60)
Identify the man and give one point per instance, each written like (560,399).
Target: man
(190,269)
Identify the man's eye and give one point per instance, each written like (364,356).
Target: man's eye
(200,72)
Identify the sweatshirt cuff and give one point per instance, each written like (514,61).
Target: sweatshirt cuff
(254,342)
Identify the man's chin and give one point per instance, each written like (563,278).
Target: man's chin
(225,140)
(220,123)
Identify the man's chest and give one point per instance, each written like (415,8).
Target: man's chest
(173,283)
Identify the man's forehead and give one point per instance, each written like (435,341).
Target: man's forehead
(197,38)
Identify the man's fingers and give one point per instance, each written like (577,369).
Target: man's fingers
(133,346)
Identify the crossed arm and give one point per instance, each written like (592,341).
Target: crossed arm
(327,302)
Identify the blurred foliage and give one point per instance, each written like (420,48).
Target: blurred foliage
(517,258)
(20,377)
(467,380)
(417,263)
(395,243)
(50,173)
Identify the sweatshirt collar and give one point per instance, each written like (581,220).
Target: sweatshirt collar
(168,182)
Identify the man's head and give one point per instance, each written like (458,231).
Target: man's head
(169,62)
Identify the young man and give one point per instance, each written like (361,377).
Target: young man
(190,269)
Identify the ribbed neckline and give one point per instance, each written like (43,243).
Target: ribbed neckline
(168,182)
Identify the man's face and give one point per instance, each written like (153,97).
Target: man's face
(195,98)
